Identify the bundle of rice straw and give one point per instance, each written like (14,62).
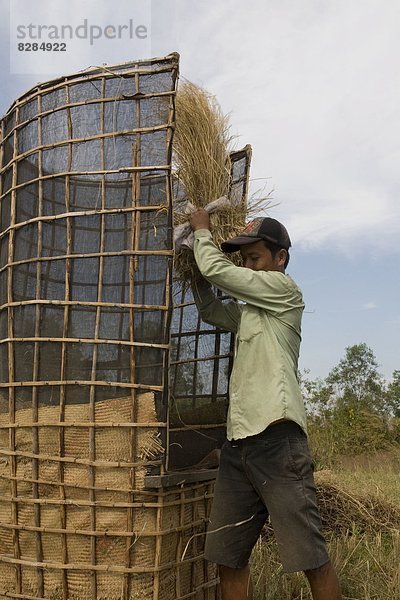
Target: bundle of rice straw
(342,510)
(202,144)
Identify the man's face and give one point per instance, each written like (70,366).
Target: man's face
(258,257)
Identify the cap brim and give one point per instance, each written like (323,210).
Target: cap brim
(235,244)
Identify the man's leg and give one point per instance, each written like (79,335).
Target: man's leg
(324,583)
(236,583)
(236,520)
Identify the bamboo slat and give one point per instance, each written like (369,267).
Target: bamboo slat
(109,568)
(128,490)
(83,103)
(81,140)
(35,405)
(96,73)
(146,168)
(83,213)
(109,532)
(148,307)
(134,244)
(11,371)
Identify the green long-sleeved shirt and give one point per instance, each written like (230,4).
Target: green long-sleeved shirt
(263,387)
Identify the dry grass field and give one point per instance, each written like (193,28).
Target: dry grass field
(360,507)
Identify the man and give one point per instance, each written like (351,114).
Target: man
(265,466)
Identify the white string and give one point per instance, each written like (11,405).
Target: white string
(215,531)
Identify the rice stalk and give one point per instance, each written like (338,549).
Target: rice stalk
(202,144)
(202,166)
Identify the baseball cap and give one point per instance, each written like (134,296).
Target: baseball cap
(259,229)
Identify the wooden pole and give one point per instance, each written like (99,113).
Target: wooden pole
(11,373)
(35,375)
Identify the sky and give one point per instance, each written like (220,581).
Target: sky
(314,87)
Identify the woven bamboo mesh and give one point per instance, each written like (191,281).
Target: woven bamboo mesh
(201,357)
(86,313)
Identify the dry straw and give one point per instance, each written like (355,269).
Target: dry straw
(202,145)
(342,511)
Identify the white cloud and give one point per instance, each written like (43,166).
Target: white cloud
(369,306)
(315,89)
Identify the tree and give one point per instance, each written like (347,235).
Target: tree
(357,382)
(349,410)
(393,394)
(318,396)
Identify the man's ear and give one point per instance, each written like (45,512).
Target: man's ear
(281,258)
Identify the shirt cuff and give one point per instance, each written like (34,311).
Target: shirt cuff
(200,233)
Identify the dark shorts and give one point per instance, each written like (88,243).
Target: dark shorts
(269,474)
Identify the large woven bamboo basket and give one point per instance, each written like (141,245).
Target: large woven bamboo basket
(103,362)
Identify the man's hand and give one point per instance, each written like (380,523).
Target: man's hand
(199,219)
